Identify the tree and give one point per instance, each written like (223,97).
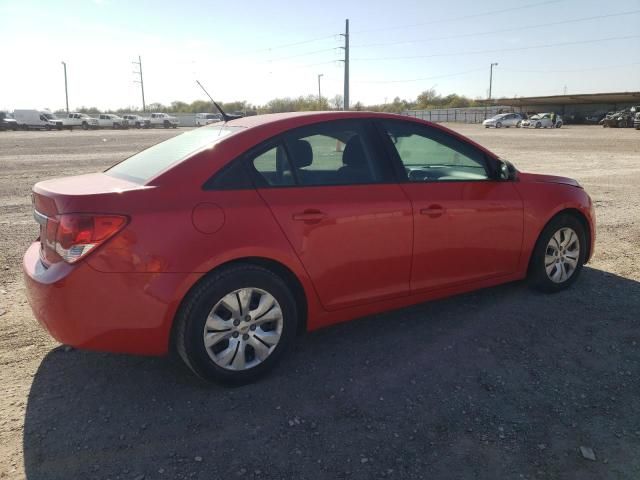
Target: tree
(337,102)
(427,99)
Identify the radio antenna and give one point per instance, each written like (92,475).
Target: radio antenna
(225,116)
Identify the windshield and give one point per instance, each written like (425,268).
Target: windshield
(536,117)
(148,163)
(49,116)
(212,116)
(502,115)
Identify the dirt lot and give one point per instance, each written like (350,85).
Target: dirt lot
(501,383)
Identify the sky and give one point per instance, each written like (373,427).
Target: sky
(259,50)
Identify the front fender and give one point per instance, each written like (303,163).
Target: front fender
(542,202)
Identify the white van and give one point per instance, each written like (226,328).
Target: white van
(207,118)
(37,119)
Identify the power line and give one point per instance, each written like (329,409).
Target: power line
(424,78)
(293,44)
(572,71)
(304,54)
(499,50)
(463,17)
(504,30)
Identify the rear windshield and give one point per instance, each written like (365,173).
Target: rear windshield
(145,165)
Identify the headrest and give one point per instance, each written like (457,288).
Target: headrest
(353,155)
(301,153)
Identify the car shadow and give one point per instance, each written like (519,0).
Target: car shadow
(497,383)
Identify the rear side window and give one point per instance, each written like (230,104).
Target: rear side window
(273,167)
(148,163)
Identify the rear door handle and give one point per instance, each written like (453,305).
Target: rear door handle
(309,216)
(433,211)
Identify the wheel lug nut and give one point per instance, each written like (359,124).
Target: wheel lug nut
(236,322)
(245,337)
(252,327)
(235,334)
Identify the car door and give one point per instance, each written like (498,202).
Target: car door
(346,217)
(510,120)
(468,225)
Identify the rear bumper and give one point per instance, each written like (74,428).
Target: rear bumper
(113,312)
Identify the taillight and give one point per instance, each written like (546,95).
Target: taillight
(74,235)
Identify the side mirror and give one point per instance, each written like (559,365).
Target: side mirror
(506,171)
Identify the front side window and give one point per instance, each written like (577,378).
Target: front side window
(428,154)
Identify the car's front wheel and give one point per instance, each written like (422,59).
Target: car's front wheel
(558,255)
(234,326)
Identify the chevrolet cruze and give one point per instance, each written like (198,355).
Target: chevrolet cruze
(222,243)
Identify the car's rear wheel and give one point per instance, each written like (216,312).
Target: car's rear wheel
(234,326)
(559,254)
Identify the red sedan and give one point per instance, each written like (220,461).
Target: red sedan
(225,241)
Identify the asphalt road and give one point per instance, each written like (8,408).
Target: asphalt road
(500,383)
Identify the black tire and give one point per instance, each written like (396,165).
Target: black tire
(85,126)
(519,124)
(166,124)
(537,275)
(192,315)
(538,125)
(499,125)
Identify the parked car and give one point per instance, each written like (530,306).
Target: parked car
(542,120)
(620,119)
(594,118)
(136,120)
(163,120)
(207,118)
(7,122)
(280,231)
(110,120)
(636,119)
(75,119)
(504,120)
(28,119)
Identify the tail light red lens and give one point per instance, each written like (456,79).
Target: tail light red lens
(72,236)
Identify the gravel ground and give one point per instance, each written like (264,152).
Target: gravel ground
(501,383)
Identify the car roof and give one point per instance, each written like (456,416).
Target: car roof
(285,121)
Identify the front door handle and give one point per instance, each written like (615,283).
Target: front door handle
(433,211)
(309,216)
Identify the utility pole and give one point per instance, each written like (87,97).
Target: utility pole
(320,75)
(490,86)
(346,65)
(141,82)
(66,92)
